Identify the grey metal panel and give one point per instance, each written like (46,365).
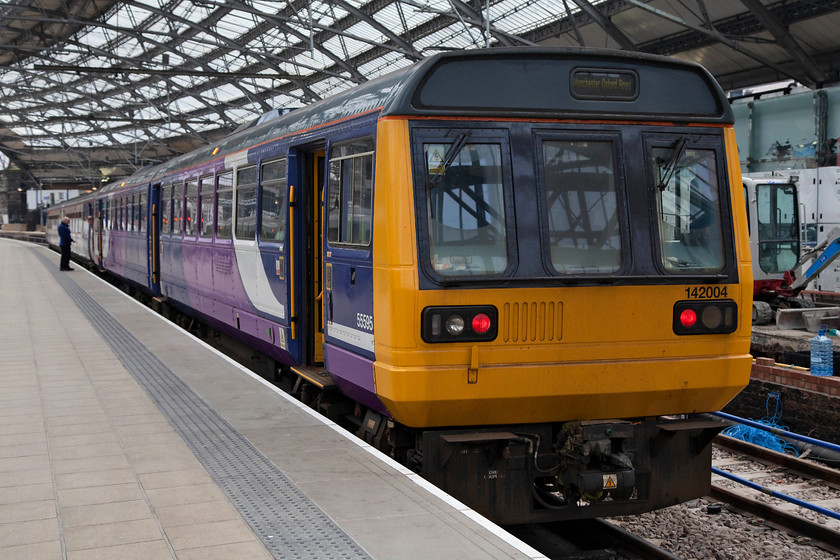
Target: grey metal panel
(742,111)
(788,121)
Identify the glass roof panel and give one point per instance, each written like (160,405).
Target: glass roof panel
(201,65)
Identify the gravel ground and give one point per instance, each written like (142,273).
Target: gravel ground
(689,531)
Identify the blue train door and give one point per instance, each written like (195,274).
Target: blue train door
(348,254)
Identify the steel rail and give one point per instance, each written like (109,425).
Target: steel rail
(827,538)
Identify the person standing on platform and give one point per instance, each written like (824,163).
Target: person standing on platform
(64,243)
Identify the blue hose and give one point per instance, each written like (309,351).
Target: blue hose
(779,432)
(785,497)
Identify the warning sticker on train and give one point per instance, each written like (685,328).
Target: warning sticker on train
(435,153)
(610,482)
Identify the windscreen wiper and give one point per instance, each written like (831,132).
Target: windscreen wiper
(449,158)
(666,172)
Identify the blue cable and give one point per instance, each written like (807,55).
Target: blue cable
(762,437)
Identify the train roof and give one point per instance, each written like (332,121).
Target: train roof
(504,83)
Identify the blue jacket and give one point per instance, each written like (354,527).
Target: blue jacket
(64,234)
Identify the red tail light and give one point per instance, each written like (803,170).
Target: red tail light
(481,323)
(688,317)
(472,323)
(705,317)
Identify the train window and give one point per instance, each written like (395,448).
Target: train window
(466,208)
(350,193)
(246,203)
(224,205)
(581,202)
(166,210)
(273,184)
(688,206)
(177,208)
(205,227)
(132,215)
(778,227)
(190,209)
(141,212)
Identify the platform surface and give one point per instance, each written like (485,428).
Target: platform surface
(123,437)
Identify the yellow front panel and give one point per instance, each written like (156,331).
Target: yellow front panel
(562,353)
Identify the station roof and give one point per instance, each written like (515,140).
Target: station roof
(93,90)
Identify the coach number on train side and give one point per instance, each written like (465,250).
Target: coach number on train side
(706,292)
(364,322)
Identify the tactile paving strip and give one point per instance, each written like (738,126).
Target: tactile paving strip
(289,524)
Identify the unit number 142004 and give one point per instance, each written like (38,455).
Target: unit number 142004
(705,292)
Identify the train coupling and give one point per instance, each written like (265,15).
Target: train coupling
(594,460)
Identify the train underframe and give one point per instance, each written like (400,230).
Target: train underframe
(531,473)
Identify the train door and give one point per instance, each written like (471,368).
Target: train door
(307,252)
(153,239)
(90,229)
(316,328)
(99,224)
(107,211)
(348,255)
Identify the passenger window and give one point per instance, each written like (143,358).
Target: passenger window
(132,216)
(141,212)
(224,205)
(688,206)
(246,203)
(205,228)
(177,208)
(273,184)
(166,210)
(350,193)
(465,197)
(190,209)
(581,203)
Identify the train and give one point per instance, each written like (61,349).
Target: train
(523,272)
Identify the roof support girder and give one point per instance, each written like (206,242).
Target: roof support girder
(786,40)
(607,25)
(798,76)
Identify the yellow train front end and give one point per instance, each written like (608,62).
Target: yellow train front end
(562,352)
(562,280)
(579,397)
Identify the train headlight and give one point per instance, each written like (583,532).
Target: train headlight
(472,323)
(705,317)
(455,325)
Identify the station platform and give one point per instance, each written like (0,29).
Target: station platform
(124,437)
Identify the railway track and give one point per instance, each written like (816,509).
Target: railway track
(779,473)
(589,539)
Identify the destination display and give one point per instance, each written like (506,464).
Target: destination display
(602,84)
